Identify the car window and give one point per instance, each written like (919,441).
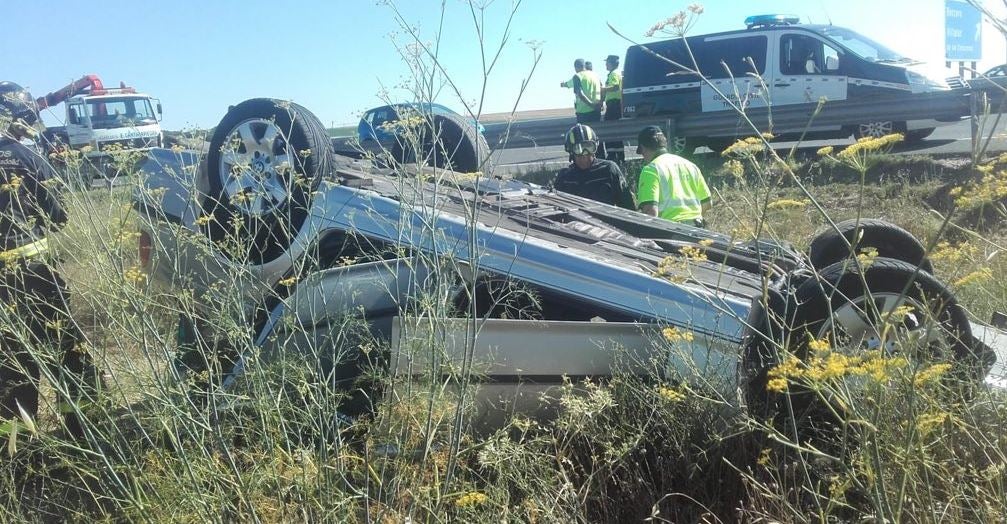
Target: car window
(806,55)
(717,58)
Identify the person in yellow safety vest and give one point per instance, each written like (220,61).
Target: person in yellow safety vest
(669,186)
(612,93)
(587,93)
(35,328)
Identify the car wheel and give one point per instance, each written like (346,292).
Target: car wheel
(913,137)
(854,313)
(448,142)
(266,158)
(891,241)
(874,129)
(681,145)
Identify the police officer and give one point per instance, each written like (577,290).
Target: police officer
(670,186)
(587,93)
(36,329)
(612,93)
(589,176)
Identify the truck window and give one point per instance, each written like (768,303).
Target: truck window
(806,55)
(718,58)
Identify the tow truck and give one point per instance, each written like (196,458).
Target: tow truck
(102,119)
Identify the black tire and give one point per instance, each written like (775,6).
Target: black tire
(682,145)
(917,136)
(273,128)
(890,240)
(448,142)
(877,129)
(839,287)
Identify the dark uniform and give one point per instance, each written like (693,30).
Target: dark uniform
(36,329)
(602,181)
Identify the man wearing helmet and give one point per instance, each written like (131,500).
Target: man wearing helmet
(36,329)
(589,176)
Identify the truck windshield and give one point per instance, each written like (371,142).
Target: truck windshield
(120,112)
(862,46)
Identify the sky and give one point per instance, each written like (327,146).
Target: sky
(340,57)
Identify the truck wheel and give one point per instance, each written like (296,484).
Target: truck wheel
(448,142)
(875,129)
(838,307)
(681,145)
(266,158)
(890,240)
(917,136)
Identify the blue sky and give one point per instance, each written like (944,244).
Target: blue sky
(334,57)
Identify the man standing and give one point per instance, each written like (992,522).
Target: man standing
(612,93)
(670,186)
(587,93)
(36,328)
(590,177)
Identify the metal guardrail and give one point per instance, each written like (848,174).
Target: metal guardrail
(944,105)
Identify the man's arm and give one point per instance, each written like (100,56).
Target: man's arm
(623,195)
(579,91)
(43,187)
(648,191)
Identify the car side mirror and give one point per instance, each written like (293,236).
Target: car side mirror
(157,105)
(831,63)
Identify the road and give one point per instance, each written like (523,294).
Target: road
(948,140)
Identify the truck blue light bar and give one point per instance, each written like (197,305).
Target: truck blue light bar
(771,20)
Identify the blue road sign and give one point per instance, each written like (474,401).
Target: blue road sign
(962,31)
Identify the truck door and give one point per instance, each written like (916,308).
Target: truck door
(805,69)
(78,124)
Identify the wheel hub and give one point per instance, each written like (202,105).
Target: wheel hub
(248,170)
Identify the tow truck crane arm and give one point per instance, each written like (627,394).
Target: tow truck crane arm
(86,83)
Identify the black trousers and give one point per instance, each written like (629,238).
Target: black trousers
(615,150)
(37,332)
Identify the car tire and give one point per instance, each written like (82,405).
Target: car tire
(891,241)
(446,142)
(839,297)
(682,145)
(876,129)
(917,136)
(266,158)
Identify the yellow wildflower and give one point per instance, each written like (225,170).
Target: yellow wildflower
(135,275)
(867,256)
(786,203)
(764,457)
(672,334)
(819,344)
(734,167)
(12,185)
(472,498)
(929,421)
(706,242)
(776,385)
(825,151)
(692,253)
(288,281)
(933,372)
(670,394)
(980,275)
(203,220)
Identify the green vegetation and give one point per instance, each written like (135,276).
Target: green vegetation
(901,436)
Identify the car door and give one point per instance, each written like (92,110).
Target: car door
(805,70)
(735,66)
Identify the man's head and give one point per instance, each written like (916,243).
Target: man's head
(651,142)
(588,65)
(612,62)
(17,110)
(581,142)
(578,65)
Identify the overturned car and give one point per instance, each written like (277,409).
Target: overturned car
(530,287)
